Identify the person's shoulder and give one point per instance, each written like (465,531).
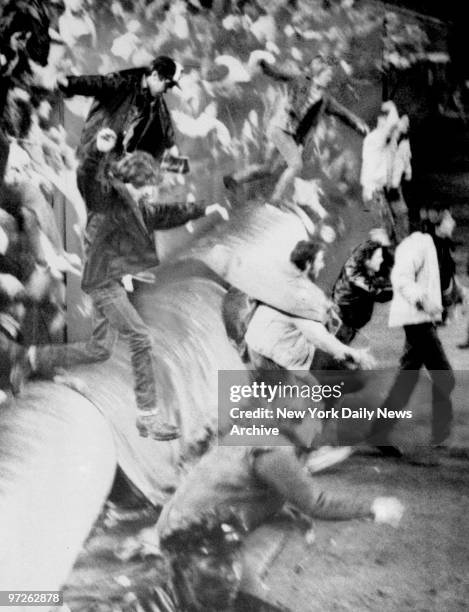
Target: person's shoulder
(130,76)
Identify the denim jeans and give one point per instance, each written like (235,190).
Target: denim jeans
(113,315)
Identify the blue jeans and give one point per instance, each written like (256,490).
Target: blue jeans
(113,315)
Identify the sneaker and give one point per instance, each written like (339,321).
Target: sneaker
(152,426)
(327,456)
(390,451)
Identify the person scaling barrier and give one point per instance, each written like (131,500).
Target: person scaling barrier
(124,211)
(307,102)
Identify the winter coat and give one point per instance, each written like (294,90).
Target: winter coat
(121,100)
(416,282)
(119,236)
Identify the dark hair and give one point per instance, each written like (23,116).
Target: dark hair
(164,66)
(138,168)
(431,217)
(305,251)
(367,249)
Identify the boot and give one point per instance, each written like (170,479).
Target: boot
(153,426)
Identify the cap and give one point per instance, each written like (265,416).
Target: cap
(168,69)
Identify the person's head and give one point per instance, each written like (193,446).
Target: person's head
(403,125)
(140,174)
(371,258)
(446,226)
(322,70)
(162,74)
(75,7)
(388,113)
(437,221)
(308,256)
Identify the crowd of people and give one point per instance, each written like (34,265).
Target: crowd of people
(127,145)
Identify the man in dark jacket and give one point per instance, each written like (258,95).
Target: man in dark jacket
(123,214)
(131,103)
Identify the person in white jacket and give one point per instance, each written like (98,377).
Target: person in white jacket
(417,307)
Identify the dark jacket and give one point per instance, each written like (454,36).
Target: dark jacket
(119,233)
(356,290)
(307,106)
(120,101)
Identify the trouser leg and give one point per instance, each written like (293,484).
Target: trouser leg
(98,348)
(443,382)
(115,306)
(404,383)
(292,153)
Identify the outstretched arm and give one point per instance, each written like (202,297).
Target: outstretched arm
(282,471)
(275,73)
(92,85)
(173,214)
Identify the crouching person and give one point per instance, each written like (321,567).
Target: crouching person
(122,216)
(229,493)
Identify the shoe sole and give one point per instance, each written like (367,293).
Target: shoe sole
(143,433)
(332,457)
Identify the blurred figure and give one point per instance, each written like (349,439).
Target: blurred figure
(12,305)
(465,292)
(225,497)
(400,172)
(76,26)
(417,307)
(377,156)
(306,103)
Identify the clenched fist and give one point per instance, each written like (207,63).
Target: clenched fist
(106,140)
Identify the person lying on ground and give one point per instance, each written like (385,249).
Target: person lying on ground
(229,493)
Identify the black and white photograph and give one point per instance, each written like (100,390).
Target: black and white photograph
(234,306)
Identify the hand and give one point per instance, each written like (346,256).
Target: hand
(363,127)
(62,80)
(11,285)
(387,510)
(219,209)
(361,358)
(106,140)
